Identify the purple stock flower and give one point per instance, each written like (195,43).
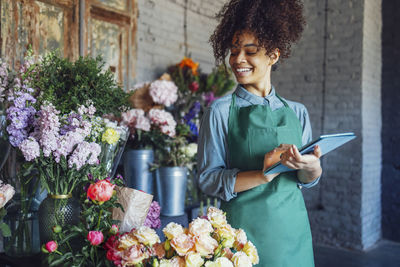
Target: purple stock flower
(153,216)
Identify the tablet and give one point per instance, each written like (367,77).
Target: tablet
(327,143)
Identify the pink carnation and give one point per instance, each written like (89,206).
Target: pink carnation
(30,149)
(163,120)
(163,92)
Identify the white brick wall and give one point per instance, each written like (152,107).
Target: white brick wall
(160,34)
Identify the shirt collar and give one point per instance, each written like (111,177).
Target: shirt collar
(254,99)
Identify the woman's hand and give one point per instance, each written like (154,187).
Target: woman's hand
(272,157)
(309,165)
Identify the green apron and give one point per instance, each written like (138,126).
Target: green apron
(273,215)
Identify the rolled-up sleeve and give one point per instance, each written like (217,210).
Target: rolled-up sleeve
(214,177)
(306,138)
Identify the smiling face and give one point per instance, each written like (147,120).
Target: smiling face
(251,64)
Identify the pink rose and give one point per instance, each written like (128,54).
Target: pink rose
(51,246)
(95,237)
(101,191)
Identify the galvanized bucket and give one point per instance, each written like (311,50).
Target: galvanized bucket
(171,185)
(136,169)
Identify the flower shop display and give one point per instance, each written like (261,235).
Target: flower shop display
(57,122)
(209,241)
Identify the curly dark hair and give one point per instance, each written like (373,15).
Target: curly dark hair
(275,24)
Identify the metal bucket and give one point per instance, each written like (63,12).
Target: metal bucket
(171,185)
(136,170)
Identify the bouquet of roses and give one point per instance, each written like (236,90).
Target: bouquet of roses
(209,241)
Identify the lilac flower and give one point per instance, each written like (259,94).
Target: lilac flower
(163,92)
(66,143)
(30,149)
(84,153)
(47,128)
(153,216)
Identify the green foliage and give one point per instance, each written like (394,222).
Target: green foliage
(218,81)
(70,84)
(74,248)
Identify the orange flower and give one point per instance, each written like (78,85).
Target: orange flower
(188,62)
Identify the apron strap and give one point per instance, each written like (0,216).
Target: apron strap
(283,101)
(233,103)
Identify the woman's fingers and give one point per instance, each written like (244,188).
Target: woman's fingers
(317,151)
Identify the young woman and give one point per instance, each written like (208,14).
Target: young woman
(241,133)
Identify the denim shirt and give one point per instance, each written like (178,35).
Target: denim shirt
(215,176)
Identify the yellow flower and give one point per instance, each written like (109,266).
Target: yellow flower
(110,136)
(251,251)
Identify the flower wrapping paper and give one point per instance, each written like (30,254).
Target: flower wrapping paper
(136,205)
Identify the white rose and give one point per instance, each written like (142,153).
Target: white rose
(205,244)
(200,226)
(147,236)
(216,217)
(172,230)
(165,263)
(224,262)
(251,251)
(182,244)
(193,259)
(191,150)
(240,259)
(6,193)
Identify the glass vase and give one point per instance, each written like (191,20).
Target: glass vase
(55,210)
(23,222)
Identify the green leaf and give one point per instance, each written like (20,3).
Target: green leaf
(5,230)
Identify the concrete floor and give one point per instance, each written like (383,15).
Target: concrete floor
(384,254)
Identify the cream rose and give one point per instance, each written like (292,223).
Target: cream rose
(182,244)
(240,259)
(224,262)
(216,217)
(127,241)
(134,255)
(200,226)
(251,251)
(193,259)
(172,230)
(147,236)
(205,244)
(226,235)
(240,240)
(220,262)
(165,263)
(177,262)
